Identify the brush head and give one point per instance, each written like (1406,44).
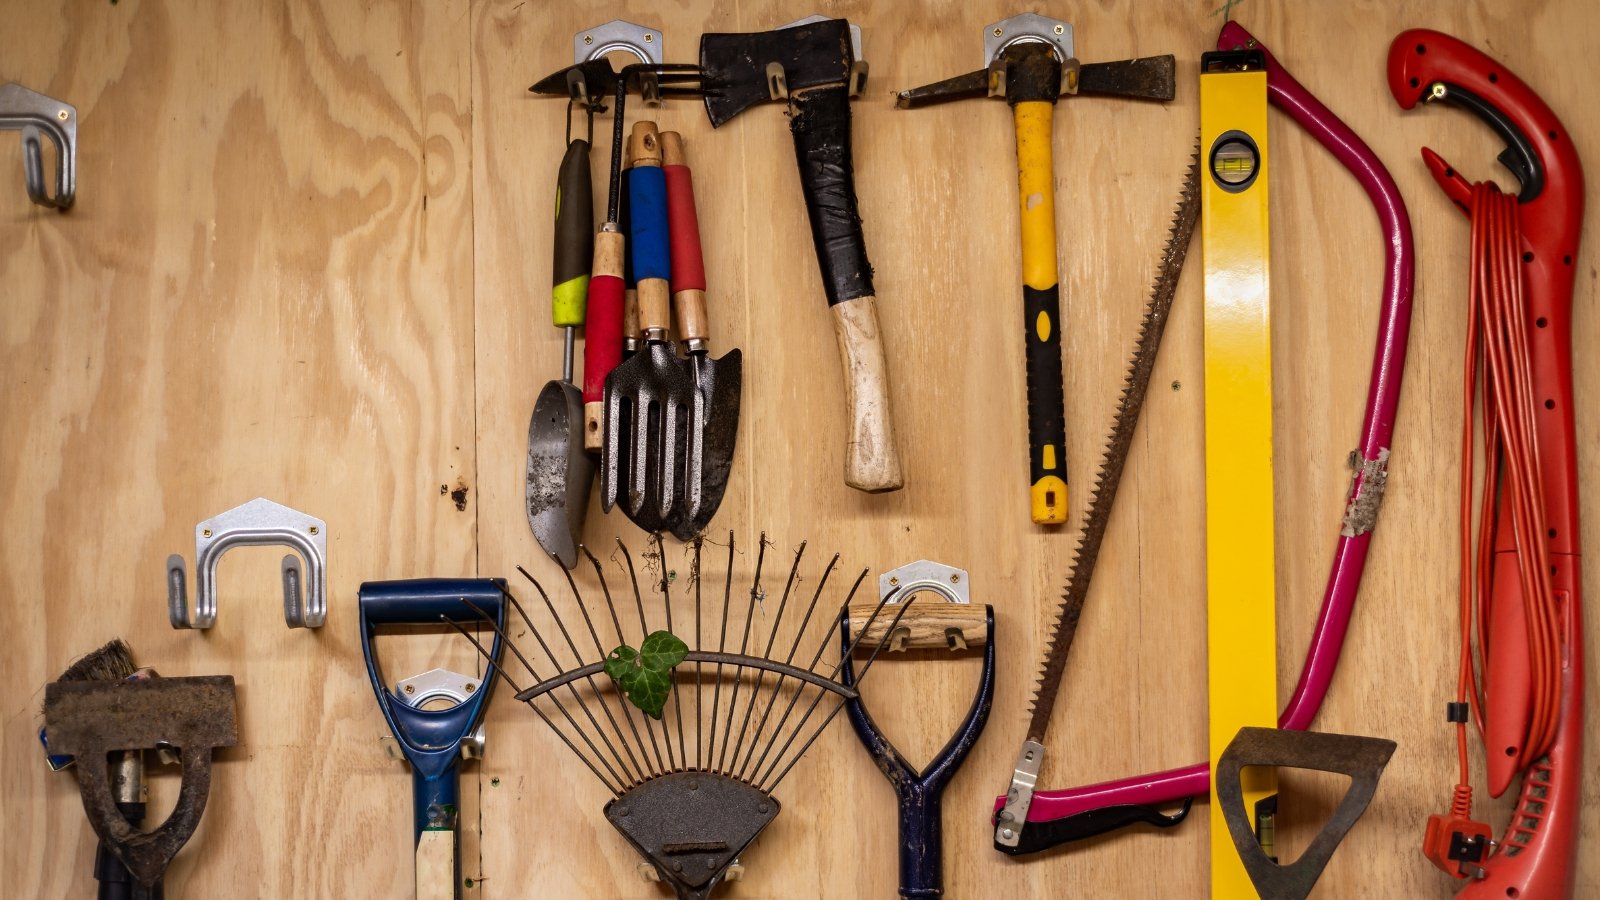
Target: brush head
(112,662)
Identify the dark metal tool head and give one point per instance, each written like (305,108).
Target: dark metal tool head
(560,472)
(1030,57)
(713,431)
(90,719)
(741,70)
(647,422)
(591,82)
(692,825)
(1361,758)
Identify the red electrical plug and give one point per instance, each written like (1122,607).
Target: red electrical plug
(1455,843)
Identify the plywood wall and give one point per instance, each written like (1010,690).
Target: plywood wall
(310,261)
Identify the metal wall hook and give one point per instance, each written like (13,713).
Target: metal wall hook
(32,112)
(257,523)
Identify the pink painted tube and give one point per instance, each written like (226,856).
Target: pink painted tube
(1366,488)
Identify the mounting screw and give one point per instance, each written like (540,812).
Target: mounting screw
(955,578)
(622,810)
(588,39)
(648,37)
(998,32)
(411,689)
(893,581)
(711,864)
(62,115)
(1061,29)
(471,687)
(1008,834)
(206,533)
(315,529)
(1177,385)
(677,865)
(762,809)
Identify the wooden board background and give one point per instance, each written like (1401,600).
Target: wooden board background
(309,261)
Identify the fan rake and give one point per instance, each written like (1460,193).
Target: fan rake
(691,781)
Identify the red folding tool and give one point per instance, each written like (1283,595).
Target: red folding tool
(1528,677)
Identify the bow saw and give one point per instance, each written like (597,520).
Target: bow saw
(1028,820)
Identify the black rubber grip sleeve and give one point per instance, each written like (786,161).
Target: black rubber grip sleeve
(820,122)
(574,248)
(1046,396)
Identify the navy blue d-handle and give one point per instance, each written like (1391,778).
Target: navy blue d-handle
(431,738)
(919,793)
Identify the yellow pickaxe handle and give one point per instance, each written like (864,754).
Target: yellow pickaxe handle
(1041,303)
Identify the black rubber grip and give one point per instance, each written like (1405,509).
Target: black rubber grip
(1046,396)
(820,122)
(574,249)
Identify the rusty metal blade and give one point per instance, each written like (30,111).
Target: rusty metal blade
(1146,78)
(560,473)
(1103,494)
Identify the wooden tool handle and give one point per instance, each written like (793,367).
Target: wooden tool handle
(602,341)
(871,462)
(931,624)
(436,865)
(688,261)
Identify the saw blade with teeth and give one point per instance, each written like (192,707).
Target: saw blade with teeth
(1103,495)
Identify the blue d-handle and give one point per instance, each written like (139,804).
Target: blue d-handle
(919,792)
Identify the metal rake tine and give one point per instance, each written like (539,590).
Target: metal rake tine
(772,638)
(795,698)
(744,646)
(772,699)
(605,589)
(644,630)
(593,688)
(666,597)
(615,791)
(882,642)
(722,647)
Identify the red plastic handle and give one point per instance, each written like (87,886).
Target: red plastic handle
(688,263)
(602,336)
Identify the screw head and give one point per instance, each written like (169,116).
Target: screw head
(588,39)
(1060,29)
(315,529)
(955,578)
(411,689)
(648,37)
(1008,833)
(677,865)
(893,581)
(471,687)
(206,532)
(63,115)
(998,32)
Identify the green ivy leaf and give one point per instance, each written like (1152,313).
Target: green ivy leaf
(645,675)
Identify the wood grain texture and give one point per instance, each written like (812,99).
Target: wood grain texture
(310,260)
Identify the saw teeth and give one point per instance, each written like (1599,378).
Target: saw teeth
(1102,494)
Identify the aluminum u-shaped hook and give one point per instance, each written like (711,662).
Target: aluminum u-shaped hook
(31,113)
(259,522)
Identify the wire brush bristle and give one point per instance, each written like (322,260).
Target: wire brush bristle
(113,662)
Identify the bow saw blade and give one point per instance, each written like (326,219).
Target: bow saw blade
(1102,497)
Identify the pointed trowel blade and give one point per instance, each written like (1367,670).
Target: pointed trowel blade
(559,471)
(713,431)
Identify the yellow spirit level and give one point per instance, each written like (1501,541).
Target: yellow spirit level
(1240,571)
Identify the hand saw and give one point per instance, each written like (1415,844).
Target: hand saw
(1537,855)
(1028,820)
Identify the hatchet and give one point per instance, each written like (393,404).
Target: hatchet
(812,67)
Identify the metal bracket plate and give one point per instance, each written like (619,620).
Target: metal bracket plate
(593,43)
(256,523)
(32,112)
(1027,28)
(948,582)
(437,684)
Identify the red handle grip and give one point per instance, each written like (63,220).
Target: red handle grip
(688,263)
(602,337)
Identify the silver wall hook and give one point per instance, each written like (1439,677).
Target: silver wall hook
(257,523)
(31,113)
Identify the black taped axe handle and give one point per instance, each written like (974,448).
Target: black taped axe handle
(820,123)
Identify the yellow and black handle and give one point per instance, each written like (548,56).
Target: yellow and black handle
(1034,83)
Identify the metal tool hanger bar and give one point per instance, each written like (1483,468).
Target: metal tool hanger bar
(259,522)
(31,113)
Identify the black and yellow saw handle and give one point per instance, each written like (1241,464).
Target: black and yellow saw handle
(1041,303)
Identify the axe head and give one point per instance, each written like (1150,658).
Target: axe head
(734,67)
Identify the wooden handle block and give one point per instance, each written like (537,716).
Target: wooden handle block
(871,462)
(690,308)
(644,144)
(436,865)
(927,625)
(594,421)
(655,304)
